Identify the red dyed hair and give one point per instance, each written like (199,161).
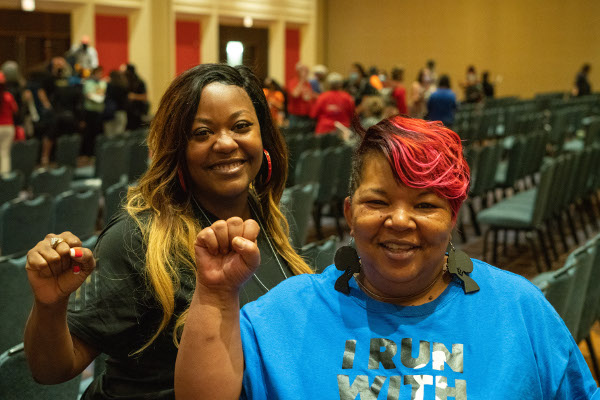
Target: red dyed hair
(422,154)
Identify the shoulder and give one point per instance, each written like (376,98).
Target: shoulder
(504,286)
(121,242)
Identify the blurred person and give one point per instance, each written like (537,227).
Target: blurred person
(398,90)
(430,78)
(373,111)
(83,54)
(471,86)
(418,106)
(582,83)
(317,83)
(137,99)
(276,99)
(333,105)
(441,105)
(374,78)
(115,104)
(8,108)
(15,85)
(300,99)
(358,84)
(486,86)
(94,92)
(66,101)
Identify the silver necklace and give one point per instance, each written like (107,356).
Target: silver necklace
(256,278)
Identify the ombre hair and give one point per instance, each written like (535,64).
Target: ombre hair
(164,210)
(422,155)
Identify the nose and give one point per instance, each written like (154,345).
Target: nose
(225,143)
(400,218)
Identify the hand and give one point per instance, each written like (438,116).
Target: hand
(227,254)
(55,273)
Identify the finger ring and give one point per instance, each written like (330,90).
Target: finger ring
(55,241)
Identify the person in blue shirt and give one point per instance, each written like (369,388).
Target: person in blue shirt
(441,105)
(401,315)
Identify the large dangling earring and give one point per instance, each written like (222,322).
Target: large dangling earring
(346,259)
(181,179)
(460,264)
(267,158)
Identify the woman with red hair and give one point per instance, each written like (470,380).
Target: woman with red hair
(401,315)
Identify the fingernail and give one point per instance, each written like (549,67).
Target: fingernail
(239,243)
(76,252)
(76,269)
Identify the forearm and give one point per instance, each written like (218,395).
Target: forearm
(210,361)
(49,347)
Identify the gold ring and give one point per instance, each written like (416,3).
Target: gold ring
(55,241)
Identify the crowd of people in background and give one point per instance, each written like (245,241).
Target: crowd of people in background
(71,94)
(74,94)
(325,101)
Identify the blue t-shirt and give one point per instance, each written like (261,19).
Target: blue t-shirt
(305,340)
(441,106)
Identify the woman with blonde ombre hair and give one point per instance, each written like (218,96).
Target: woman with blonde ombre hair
(216,155)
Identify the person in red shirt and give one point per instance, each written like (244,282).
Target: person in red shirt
(333,106)
(300,98)
(8,107)
(399,91)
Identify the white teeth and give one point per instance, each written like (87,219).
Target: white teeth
(397,247)
(227,167)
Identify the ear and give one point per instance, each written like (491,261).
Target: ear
(348,213)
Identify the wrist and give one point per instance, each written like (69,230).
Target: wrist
(216,296)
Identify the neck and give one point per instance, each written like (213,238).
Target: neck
(226,208)
(421,296)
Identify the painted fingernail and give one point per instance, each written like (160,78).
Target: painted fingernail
(76,252)
(76,269)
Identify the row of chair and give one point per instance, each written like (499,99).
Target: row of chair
(568,182)
(493,120)
(298,144)
(506,165)
(114,157)
(329,170)
(24,222)
(574,292)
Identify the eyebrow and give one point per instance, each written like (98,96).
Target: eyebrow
(232,116)
(382,192)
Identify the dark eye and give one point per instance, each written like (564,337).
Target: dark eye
(201,133)
(242,126)
(376,202)
(426,205)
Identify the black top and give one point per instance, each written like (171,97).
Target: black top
(583,85)
(116,313)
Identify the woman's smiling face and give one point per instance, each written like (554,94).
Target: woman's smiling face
(401,233)
(224,152)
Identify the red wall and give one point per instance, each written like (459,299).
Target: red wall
(292,52)
(111,41)
(187,45)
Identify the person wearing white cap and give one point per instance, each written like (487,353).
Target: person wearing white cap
(84,55)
